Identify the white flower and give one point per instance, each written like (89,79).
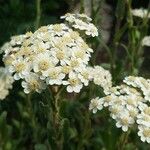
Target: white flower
(129,104)
(21,68)
(124,121)
(33,83)
(96,104)
(133,111)
(102,77)
(40,46)
(115,110)
(92,30)
(43,62)
(144,133)
(6,81)
(144,117)
(146,41)
(68,17)
(142,13)
(56,54)
(54,76)
(141,83)
(73,83)
(84,76)
(81,22)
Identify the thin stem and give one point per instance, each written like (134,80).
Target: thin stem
(123,140)
(32,116)
(82,6)
(57,107)
(38,13)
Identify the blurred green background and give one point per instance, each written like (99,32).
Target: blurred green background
(28,124)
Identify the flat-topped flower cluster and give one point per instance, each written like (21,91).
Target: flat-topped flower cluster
(6,81)
(54,55)
(128,104)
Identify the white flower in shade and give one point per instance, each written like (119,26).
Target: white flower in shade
(142,13)
(73,83)
(124,121)
(89,28)
(58,29)
(102,77)
(20,67)
(92,30)
(3,94)
(33,83)
(6,81)
(143,118)
(54,76)
(146,41)
(109,100)
(71,17)
(68,17)
(96,104)
(115,110)
(133,111)
(141,83)
(144,133)
(84,76)
(5,48)
(131,100)
(81,22)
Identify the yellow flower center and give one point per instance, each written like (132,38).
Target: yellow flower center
(34,85)
(73,82)
(66,69)
(124,121)
(85,75)
(80,54)
(146,132)
(74,63)
(53,74)
(20,67)
(60,55)
(57,28)
(43,65)
(147,110)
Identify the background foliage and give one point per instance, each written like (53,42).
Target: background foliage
(27,122)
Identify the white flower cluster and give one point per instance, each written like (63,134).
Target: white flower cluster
(140,83)
(142,13)
(6,81)
(82,23)
(146,41)
(12,47)
(128,104)
(53,55)
(101,77)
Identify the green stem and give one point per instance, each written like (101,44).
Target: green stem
(38,14)
(57,107)
(123,140)
(32,116)
(82,10)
